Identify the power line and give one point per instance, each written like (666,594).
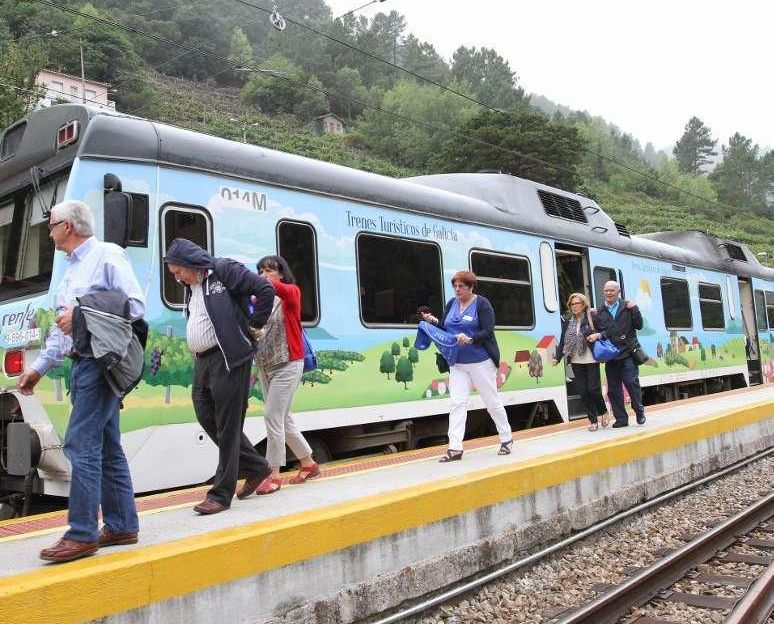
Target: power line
(652,178)
(281,76)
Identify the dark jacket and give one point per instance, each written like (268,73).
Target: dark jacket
(485,335)
(621,330)
(234,298)
(102,329)
(585,327)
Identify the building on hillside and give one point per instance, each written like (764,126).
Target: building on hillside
(61,88)
(329,124)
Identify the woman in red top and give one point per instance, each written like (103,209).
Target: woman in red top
(280,359)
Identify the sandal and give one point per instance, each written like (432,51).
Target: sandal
(593,427)
(605,419)
(451,456)
(269,485)
(305,473)
(505,448)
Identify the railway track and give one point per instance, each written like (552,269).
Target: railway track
(659,580)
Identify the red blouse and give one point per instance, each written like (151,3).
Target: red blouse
(291,306)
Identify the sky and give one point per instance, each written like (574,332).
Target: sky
(646,67)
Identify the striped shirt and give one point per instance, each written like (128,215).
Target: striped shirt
(199,331)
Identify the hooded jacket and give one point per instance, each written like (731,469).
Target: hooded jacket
(234,298)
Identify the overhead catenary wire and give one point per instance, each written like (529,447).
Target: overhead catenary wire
(244,67)
(281,76)
(652,178)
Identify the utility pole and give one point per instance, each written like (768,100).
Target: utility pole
(83,74)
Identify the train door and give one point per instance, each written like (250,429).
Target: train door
(572,274)
(752,348)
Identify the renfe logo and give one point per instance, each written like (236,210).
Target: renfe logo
(21,318)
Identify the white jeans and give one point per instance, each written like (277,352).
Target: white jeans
(279,384)
(482,375)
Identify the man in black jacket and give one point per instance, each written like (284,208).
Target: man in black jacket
(223,299)
(618,321)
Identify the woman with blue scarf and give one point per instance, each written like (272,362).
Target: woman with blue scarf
(574,346)
(470,317)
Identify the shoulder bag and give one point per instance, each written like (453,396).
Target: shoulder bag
(603,349)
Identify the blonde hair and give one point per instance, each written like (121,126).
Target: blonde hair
(584,300)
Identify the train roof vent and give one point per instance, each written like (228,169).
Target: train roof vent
(735,252)
(562,207)
(622,230)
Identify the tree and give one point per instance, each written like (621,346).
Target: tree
(695,148)
(488,76)
(407,143)
(531,145)
(421,58)
(282,88)
(535,366)
(406,342)
(387,363)
(395,349)
(737,178)
(413,356)
(19,64)
(404,372)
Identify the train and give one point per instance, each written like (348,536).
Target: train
(367,251)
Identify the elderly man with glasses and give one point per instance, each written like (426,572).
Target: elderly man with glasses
(100,471)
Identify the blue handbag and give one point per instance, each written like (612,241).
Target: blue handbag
(604,350)
(310,359)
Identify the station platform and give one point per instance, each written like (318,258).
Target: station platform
(371,533)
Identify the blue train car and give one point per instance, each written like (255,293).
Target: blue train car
(367,250)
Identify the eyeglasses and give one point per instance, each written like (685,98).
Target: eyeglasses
(51,226)
(460,286)
(576,303)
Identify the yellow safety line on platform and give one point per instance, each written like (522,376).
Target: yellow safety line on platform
(109,584)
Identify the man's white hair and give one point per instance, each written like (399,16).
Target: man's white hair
(77,213)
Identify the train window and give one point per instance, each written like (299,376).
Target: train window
(181,222)
(760,311)
(505,281)
(297,243)
(677,303)
(770,308)
(138,221)
(602,275)
(395,277)
(711,306)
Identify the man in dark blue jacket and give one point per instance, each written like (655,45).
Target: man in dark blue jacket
(618,321)
(223,300)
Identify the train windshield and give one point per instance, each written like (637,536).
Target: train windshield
(26,251)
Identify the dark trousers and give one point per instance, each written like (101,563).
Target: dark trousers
(220,402)
(589,388)
(624,371)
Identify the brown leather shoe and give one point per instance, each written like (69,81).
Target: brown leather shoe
(106,538)
(249,486)
(208,507)
(68,550)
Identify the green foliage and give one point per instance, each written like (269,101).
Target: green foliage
(387,363)
(531,146)
(412,144)
(283,87)
(488,76)
(743,179)
(176,362)
(413,355)
(19,64)
(695,148)
(395,349)
(404,371)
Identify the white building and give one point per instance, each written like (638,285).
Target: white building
(65,88)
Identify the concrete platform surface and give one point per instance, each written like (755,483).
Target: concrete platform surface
(181,552)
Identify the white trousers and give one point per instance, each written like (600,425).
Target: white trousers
(462,378)
(279,384)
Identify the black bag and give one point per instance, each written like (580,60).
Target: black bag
(639,355)
(441,363)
